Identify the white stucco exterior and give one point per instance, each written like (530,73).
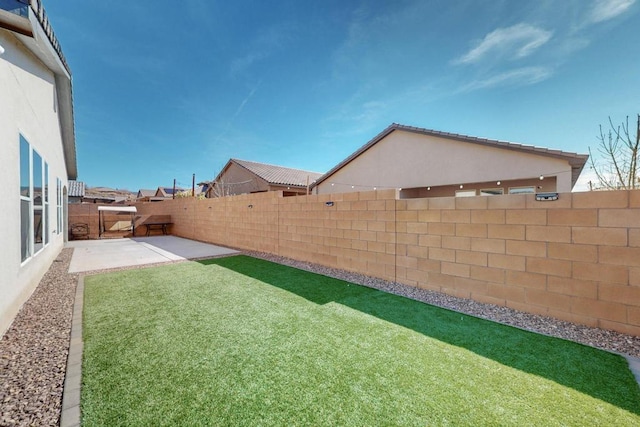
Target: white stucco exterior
(412,159)
(30,97)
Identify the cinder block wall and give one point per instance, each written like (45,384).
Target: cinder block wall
(84,214)
(575,259)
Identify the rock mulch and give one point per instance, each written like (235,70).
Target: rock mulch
(33,351)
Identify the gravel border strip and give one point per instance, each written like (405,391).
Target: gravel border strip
(33,351)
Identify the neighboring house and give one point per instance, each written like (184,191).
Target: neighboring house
(242,177)
(38,151)
(427,163)
(76,191)
(145,195)
(164,193)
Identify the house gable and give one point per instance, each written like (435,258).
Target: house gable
(405,157)
(242,176)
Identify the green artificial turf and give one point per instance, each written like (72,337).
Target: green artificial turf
(242,341)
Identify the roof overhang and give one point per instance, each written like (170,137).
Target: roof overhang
(16,23)
(33,35)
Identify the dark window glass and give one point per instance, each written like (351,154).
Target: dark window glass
(37,200)
(25,209)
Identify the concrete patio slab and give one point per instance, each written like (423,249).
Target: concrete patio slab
(90,255)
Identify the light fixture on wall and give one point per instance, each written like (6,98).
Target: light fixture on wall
(541,177)
(1,50)
(250,206)
(498,183)
(546,197)
(428,188)
(461,186)
(328,203)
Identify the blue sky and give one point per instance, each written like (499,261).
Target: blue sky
(165,89)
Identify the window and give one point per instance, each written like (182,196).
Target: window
(34,201)
(45,210)
(59,204)
(26,249)
(465,193)
(37,201)
(522,190)
(491,191)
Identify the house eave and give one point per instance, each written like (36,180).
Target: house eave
(31,32)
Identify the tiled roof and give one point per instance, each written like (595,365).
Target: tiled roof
(146,193)
(577,161)
(279,175)
(76,189)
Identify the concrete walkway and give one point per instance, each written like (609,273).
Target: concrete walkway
(91,255)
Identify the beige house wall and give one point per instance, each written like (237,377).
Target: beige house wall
(238,180)
(28,108)
(575,259)
(408,160)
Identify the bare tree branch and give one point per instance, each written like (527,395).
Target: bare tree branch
(618,166)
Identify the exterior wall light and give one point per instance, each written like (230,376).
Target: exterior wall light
(250,206)
(498,183)
(328,204)
(546,197)
(461,186)
(1,50)
(541,177)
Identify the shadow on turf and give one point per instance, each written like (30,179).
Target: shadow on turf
(593,372)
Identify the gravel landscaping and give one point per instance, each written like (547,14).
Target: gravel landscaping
(33,351)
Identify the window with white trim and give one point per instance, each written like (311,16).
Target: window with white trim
(34,201)
(59,204)
(465,193)
(26,201)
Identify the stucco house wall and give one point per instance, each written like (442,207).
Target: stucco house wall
(245,177)
(408,159)
(238,180)
(30,109)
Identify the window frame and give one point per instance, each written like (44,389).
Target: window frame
(34,183)
(26,223)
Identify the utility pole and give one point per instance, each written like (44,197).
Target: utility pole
(174,188)
(193,185)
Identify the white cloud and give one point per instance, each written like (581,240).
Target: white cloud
(518,77)
(265,44)
(517,41)
(604,10)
